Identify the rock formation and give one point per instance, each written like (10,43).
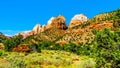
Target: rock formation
(36,29)
(57,22)
(78,20)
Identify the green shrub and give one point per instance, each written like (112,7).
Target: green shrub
(89,63)
(2,53)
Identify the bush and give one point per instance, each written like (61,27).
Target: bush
(21,48)
(2,53)
(2,46)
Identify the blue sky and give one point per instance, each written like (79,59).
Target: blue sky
(22,15)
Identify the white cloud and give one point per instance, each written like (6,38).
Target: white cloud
(7,35)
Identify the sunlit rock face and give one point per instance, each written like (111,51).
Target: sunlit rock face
(50,20)
(77,20)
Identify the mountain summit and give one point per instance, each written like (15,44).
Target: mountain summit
(78,19)
(57,22)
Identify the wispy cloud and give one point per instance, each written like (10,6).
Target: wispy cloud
(11,32)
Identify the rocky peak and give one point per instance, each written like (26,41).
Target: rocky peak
(78,20)
(58,22)
(80,17)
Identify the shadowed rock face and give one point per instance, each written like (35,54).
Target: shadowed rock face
(78,20)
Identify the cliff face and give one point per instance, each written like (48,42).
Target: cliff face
(77,20)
